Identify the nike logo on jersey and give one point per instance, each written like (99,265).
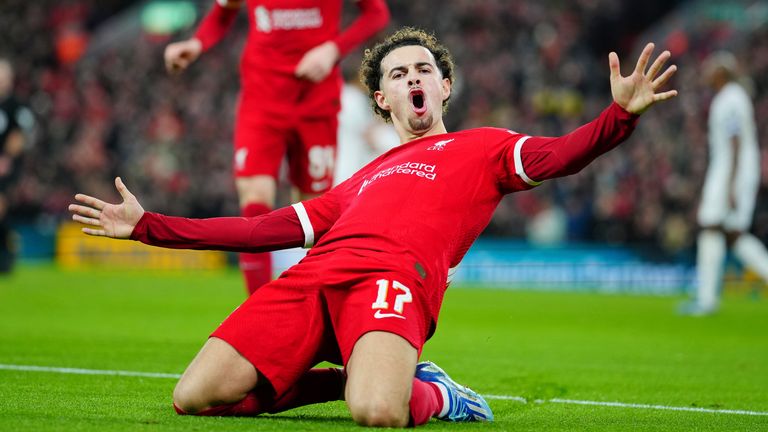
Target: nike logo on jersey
(440,145)
(379,315)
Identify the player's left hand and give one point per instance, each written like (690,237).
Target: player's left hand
(318,62)
(110,220)
(638,91)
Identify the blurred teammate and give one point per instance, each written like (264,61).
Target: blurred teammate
(362,137)
(369,292)
(730,187)
(289,101)
(15,121)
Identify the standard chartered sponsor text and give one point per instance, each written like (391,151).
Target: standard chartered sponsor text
(417,169)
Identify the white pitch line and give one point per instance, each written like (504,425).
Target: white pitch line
(77,371)
(659,407)
(627,405)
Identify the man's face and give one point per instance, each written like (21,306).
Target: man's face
(412,89)
(715,77)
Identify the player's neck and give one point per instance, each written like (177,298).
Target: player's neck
(407,135)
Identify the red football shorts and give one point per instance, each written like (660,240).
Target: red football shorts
(291,324)
(263,138)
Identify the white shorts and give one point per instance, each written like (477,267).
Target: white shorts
(715,208)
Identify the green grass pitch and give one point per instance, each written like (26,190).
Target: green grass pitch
(540,346)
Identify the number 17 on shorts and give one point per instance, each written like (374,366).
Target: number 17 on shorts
(391,298)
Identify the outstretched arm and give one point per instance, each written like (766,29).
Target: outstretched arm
(279,229)
(535,159)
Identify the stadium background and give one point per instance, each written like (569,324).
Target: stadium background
(92,73)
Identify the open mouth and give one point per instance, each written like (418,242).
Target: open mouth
(418,103)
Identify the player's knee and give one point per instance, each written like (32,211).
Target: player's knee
(191,398)
(185,400)
(256,190)
(378,412)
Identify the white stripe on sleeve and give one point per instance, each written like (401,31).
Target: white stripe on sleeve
(519,169)
(306,225)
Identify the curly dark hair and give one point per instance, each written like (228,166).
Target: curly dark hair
(370,70)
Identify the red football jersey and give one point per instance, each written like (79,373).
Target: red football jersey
(415,210)
(419,207)
(280,33)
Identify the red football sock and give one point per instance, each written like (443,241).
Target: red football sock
(315,386)
(425,402)
(256,267)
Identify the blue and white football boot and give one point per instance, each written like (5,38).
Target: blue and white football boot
(461,403)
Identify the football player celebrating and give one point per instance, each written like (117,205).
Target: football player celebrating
(368,294)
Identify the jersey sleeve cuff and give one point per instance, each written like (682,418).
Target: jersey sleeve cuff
(140,230)
(623,114)
(306,224)
(519,168)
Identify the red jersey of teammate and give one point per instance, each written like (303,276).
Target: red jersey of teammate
(281,32)
(414,210)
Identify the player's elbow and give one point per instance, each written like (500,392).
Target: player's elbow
(565,167)
(570,169)
(549,164)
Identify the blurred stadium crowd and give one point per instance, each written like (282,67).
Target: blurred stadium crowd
(105,107)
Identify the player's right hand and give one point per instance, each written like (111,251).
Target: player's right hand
(179,55)
(638,91)
(318,62)
(109,220)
